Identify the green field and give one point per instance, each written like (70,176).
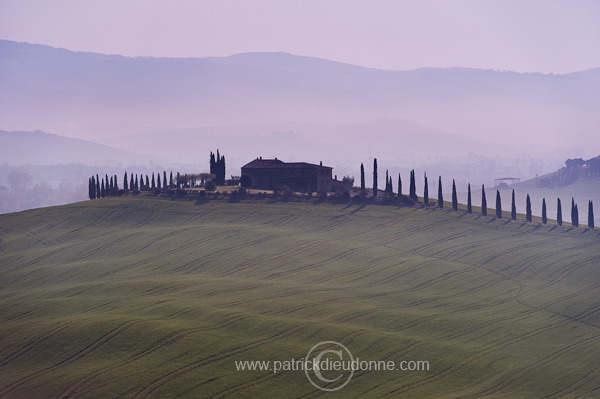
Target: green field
(150,297)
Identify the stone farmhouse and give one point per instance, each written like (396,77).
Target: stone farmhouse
(267,174)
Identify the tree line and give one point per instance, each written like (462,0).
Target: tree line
(100,187)
(412,195)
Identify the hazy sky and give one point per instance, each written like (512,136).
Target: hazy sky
(521,35)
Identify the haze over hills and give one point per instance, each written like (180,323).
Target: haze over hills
(40,148)
(89,95)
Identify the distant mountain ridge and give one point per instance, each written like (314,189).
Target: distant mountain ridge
(75,92)
(40,148)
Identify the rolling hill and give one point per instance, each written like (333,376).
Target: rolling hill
(141,297)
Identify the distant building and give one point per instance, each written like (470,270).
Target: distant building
(506,182)
(267,174)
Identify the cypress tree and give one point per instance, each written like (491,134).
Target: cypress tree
(454,197)
(171,179)
(158,185)
(528,215)
(178,180)
(90,194)
(375,177)
(116,184)
(125,185)
(362,177)
(102,189)
(147,183)
(131,182)
(399,185)
(387,183)
(469,202)
(558,212)
(412,194)
(153,182)
(544,216)
(106,186)
(391,187)
(222,170)
(164,179)
(483,201)
(498,205)
(212,164)
(513,207)
(136,184)
(98,192)
(440,195)
(426,191)
(574,213)
(591,214)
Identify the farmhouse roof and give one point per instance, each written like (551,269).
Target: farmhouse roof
(260,163)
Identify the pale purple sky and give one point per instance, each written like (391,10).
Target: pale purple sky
(520,35)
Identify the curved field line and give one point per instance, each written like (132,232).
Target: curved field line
(84,352)
(279,255)
(160,382)
(585,380)
(514,378)
(33,342)
(471,359)
(162,343)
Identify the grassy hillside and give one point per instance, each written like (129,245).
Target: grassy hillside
(148,297)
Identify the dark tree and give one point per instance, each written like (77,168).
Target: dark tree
(91,188)
(178,180)
(136,184)
(558,212)
(591,215)
(399,185)
(164,179)
(362,177)
(98,191)
(426,192)
(102,189)
(498,205)
(440,195)
(153,186)
(158,182)
(574,213)
(116,184)
(171,183)
(513,207)
(212,164)
(147,182)
(469,201)
(131,183)
(544,213)
(375,177)
(528,215)
(412,193)
(106,186)
(454,197)
(389,186)
(125,182)
(483,201)
(222,170)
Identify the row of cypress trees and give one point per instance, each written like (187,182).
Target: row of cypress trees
(412,194)
(104,187)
